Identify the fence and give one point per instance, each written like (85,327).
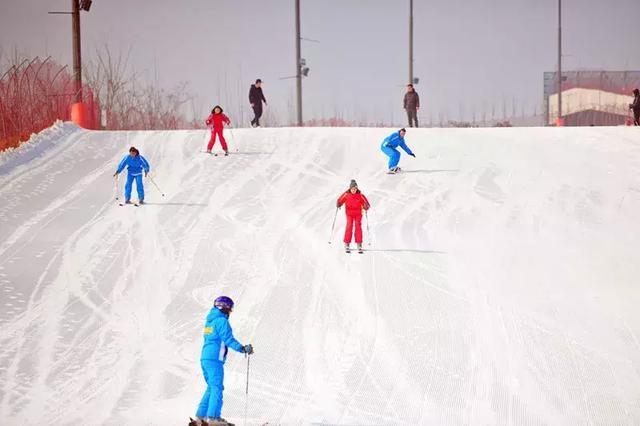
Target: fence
(33,94)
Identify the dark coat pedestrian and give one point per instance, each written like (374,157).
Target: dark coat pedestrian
(256,97)
(412,105)
(635,106)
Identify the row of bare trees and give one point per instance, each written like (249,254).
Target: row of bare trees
(129,104)
(34,92)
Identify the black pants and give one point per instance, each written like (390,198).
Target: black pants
(257,112)
(412,114)
(636,118)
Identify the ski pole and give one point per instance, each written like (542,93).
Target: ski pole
(366,215)
(333,224)
(246,394)
(154,182)
(116,186)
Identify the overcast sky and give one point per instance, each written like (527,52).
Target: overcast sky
(471,55)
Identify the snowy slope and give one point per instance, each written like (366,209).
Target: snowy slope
(502,285)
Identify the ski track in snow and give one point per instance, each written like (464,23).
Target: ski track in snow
(500,286)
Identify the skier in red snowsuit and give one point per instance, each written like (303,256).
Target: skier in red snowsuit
(354,202)
(217,119)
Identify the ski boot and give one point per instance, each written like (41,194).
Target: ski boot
(128,202)
(226,153)
(347,248)
(208,151)
(141,202)
(197,422)
(360,248)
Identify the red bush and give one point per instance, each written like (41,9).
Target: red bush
(33,94)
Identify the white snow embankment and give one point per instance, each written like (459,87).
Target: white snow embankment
(37,144)
(500,286)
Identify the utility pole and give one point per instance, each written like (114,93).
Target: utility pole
(411,41)
(77,67)
(559,121)
(79,112)
(298,65)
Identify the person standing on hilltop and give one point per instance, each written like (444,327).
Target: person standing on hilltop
(256,97)
(635,107)
(412,105)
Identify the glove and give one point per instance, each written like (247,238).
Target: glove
(248,349)
(115,174)
(146,173)
(413,155)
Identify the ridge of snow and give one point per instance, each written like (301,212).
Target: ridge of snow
(37,144)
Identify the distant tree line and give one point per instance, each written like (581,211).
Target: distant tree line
(35,92)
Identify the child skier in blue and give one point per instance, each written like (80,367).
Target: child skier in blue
(389,145)
(218,338)
(136,164)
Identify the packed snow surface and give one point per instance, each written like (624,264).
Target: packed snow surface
(501,285)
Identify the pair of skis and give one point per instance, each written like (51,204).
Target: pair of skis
(347,249)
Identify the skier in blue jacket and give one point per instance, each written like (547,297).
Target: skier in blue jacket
(218,338)
(136,164)
(389,145)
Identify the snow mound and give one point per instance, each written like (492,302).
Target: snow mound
(500,285)
(37,144)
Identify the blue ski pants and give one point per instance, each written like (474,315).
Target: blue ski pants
(211,403)
(393,154)
(129,184)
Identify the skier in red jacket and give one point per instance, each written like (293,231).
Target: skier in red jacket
(354,202)
(217,119)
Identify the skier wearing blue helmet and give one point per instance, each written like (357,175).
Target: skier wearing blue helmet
(389,145)
(218,338)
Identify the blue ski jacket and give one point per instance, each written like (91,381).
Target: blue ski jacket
(218,337)
(394,140)
(135,165)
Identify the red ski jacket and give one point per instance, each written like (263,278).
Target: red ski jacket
(217,120)
(354,203)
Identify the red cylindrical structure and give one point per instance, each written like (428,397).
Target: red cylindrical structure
(81,115)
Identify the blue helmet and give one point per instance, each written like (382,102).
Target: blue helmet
(223,303)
